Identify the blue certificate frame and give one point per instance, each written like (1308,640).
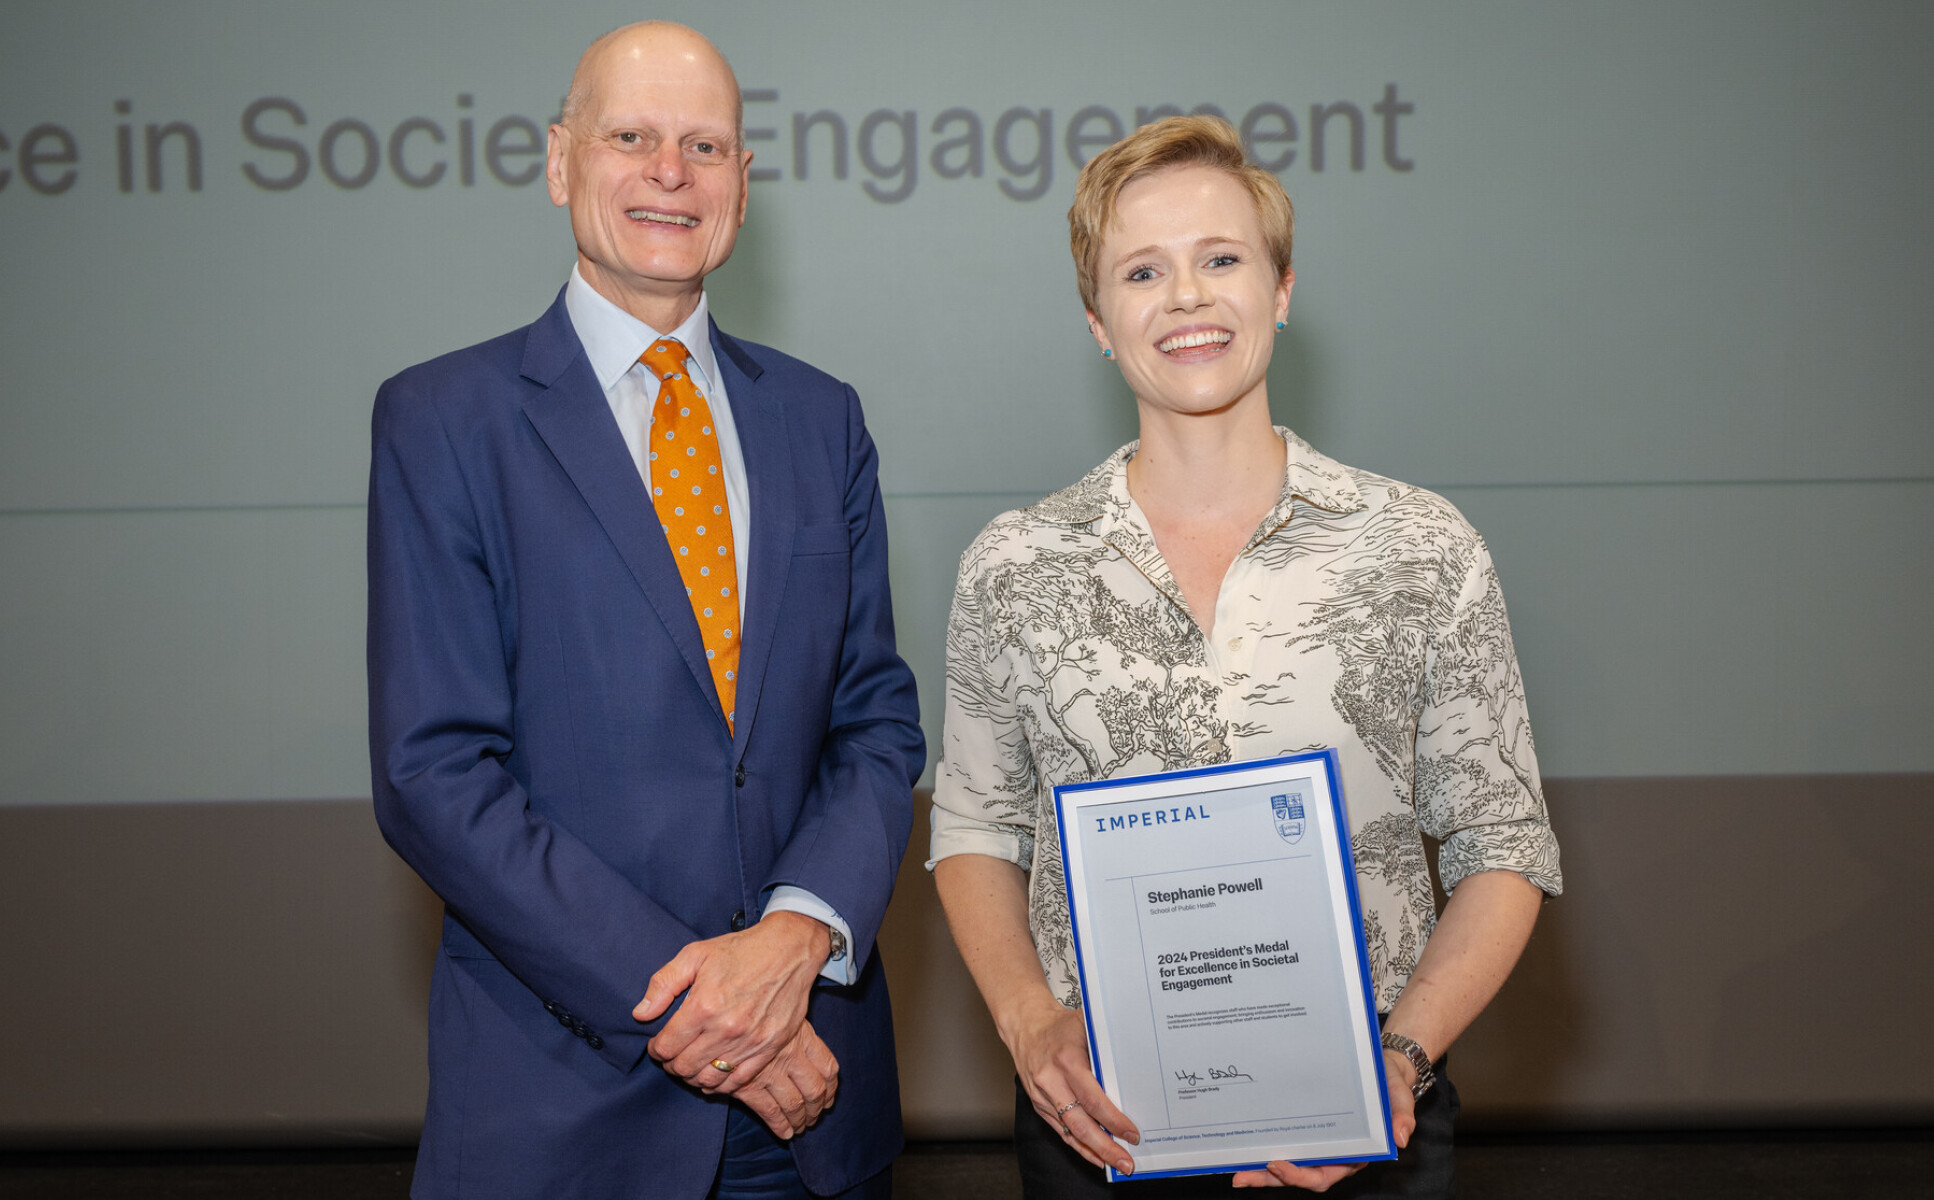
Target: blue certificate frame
(1226,987)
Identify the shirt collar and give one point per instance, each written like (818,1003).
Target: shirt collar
(614,339)
(1101,497)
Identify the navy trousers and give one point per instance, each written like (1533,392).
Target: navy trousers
(758,1166)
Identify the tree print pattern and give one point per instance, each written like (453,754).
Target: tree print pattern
(1364,614)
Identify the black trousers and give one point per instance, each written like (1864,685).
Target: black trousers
(1051,1170)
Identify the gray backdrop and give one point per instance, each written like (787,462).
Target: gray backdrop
(1643,287)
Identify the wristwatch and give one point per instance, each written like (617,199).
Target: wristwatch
(836,945)
(1426,1074)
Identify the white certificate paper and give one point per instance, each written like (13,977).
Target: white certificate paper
(1226,989)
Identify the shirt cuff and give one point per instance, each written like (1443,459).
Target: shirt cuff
(954,834)
(787,898)
(1526,847)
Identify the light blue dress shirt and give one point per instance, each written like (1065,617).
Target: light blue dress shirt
(614,340)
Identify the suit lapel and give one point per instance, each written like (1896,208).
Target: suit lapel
(575,422)
(760,415)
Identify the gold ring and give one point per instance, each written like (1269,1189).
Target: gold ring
(722,1065)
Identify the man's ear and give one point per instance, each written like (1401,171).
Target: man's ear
(556,178)
(745,183)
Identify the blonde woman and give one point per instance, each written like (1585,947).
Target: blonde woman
(1219,590)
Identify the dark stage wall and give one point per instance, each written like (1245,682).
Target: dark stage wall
(1730,951)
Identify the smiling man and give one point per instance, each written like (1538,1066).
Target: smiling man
(636,713)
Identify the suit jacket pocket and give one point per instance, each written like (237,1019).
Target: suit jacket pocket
(821,539)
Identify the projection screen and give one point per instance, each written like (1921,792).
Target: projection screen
(1642,287)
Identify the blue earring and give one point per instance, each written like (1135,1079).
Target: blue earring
(1281,325)
(1108,354)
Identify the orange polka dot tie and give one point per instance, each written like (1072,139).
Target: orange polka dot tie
(688,490)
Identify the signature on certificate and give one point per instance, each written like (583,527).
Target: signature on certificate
(1228,1074)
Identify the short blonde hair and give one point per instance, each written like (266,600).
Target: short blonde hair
(1171,142)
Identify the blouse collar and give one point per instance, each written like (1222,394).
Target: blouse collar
(1101,496)
(1102,502)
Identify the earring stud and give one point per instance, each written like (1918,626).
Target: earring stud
(1108,354)
(1281,325)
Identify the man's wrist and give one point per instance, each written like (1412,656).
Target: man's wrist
(815,937)
(836,965)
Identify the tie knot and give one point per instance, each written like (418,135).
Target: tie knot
(665,356)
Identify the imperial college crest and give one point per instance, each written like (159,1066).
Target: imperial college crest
(1288,811)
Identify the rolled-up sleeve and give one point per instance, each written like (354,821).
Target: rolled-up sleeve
(984,790)
(1477,786)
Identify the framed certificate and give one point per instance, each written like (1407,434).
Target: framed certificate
(1220,947)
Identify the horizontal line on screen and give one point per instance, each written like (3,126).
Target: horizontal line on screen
(1576,485)
(162,510)
(1583,484)
(1573,485)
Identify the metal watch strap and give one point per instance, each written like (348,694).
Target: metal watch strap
(836,945)
(1426,1074)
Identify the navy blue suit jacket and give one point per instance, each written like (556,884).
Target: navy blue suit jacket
(549,754)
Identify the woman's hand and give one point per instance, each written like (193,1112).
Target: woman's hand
(1400,1077)
(986,903)
(1050,1048)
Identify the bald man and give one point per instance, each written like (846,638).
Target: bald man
(636,713)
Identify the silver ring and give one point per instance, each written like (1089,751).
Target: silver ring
(1063,1110)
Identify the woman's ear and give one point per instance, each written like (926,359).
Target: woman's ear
(1283,289)
(1100,335)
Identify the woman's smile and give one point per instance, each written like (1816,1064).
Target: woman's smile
(1193,343)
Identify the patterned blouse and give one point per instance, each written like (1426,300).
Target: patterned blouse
(1363,614)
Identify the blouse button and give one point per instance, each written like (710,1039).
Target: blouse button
(1235,643)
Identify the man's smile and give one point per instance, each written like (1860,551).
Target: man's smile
(653,216)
